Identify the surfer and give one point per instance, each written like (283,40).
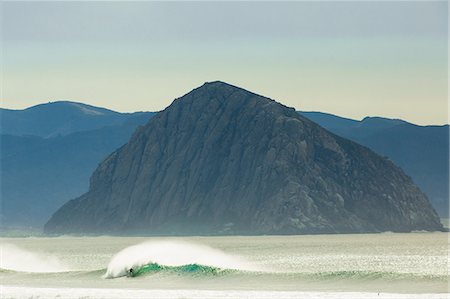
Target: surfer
(130,272)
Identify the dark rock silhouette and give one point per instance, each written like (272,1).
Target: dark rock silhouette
(421,151)
(222,160)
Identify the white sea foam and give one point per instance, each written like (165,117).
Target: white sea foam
(172,253)
(78,293)
(18,259)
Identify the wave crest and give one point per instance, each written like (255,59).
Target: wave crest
(172,256)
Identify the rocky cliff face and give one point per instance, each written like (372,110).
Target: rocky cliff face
(224,160)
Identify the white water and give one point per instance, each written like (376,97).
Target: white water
(85,293)
(18,259)
(172,253)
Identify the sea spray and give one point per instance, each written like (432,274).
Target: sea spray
(172,254)
(18,259)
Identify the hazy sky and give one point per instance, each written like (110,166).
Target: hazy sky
(353,59)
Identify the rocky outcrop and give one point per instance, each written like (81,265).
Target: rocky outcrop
(421,151)
(222,160)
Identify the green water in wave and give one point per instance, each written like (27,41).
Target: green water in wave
(191,269)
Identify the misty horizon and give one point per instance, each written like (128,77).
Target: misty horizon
(351,58)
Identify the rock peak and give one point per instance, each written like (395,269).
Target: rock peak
(217,83)
(220,87)
(223,160)
(224,93)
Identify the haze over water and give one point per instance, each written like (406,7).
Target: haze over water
(312,266)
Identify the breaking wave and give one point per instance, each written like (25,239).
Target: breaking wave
(173,256)
(191,269)
(170,258)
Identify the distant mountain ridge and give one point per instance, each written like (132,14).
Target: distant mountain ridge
(49,151)
(422,151)
(60,118)
(335,122)
(223,160)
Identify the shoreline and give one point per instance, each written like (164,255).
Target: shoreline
(10,292)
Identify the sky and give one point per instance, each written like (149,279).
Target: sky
(353,59)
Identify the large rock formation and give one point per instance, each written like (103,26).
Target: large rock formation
(224,160)
(421,151)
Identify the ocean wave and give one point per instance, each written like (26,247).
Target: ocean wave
(173,256)
(169,258)
(201,272)
(190,269)
(208,271)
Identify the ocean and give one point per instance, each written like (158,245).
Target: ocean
(386,265)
